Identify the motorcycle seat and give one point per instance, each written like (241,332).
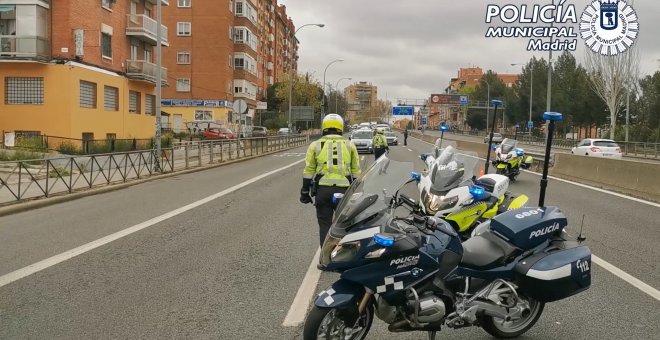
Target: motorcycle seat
(486,251)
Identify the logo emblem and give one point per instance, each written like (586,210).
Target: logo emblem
(609,27)
(435,99)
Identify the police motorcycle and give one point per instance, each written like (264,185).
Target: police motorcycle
(413,272)
(447,190)
(510,159)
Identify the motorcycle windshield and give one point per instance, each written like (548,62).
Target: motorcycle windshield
(371,193)
(452,168)
(508,145)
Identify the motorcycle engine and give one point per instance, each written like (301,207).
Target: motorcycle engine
(431,308)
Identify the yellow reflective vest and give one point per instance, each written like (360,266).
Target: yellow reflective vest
(334,158)
(379,141)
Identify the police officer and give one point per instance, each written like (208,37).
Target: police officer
(332,163)
(405,136)
(379,143)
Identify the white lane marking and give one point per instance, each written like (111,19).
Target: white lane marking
(51,261)
(652,292)
(409,149)
(362,158)
(298,309)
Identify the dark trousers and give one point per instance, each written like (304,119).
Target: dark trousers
(405,139)
(325,209)
(379,152)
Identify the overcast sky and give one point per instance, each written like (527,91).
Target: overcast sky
(411,48)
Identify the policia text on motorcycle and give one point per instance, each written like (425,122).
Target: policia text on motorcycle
(379,143)
(331,164)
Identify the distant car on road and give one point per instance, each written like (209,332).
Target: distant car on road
(362,140)
(497,138)
(259,131)
(391,138)
(284,131)
(219,133)
(598,148)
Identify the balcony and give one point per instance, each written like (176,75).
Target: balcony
(145,71)
(155,2)
(24,47)
(144,28)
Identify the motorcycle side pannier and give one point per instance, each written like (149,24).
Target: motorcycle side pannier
(527,162)
(555,275)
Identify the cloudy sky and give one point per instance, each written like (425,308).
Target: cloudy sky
(411,48)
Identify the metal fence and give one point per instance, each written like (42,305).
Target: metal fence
(31,179)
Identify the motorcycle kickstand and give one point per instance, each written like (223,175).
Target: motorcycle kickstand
(432,335)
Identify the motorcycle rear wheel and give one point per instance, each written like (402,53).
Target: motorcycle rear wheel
(325,324)
(512,329)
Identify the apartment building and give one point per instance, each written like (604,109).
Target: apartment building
(362,99)
(471,76)
(81,69)
(211,69)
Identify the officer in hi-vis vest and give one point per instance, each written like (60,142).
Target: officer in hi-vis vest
(331,164)
(379,143)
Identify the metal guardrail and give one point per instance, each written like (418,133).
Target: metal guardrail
(31,179)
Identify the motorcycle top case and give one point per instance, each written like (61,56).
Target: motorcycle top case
(555,275)
(528,227)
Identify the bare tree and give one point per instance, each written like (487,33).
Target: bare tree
(610,76)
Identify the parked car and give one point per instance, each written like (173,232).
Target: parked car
(284,131)
(362,140)
(219,133)
(497,138)
(259,131)
(391,138)
(598,148)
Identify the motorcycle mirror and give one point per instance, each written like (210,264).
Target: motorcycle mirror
(424,156)
(415,176)
(494,147)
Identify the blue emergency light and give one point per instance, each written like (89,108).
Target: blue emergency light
(384,240)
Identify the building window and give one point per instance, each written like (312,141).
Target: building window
(183,85)
(24,90)
(134,102)
(203,115)
(183,58)
(184,3)
(111,136)
(149,104)
(87,94)
(239,8)
(106,4)
(148,53)
(239,63)
(87,136)
(183,29)
(110,98)
(106,45)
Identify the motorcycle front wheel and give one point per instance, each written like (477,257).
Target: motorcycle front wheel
(326,324)
(503,329)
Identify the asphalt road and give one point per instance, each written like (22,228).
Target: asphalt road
(230,268)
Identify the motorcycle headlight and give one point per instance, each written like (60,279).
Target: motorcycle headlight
(435,203)
(345,252)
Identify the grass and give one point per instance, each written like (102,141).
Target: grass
(61,170)
(18,155)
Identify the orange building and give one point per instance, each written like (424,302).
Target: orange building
(471,76)
(210,70)
(78,69)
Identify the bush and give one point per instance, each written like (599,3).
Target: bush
(61,170)
(35,143)
(68,148)
(18,155)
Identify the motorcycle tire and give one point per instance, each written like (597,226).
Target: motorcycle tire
(496,327)
(317,316)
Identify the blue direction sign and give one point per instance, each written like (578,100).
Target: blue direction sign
(463,100)
(403,110)
(530,124)
(423,120)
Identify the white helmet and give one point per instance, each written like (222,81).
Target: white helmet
(333,121)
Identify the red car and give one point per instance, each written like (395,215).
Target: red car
(219,133)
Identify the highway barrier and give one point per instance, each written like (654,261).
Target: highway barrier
(640,179)
(32,179)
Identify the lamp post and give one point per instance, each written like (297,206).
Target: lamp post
(291,72)
(159,85)
(336,96)
(323,97)
(497,104)
(531,94)
(487,104)
(551,117)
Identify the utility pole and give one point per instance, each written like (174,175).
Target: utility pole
(159,83)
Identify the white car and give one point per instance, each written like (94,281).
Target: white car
(362,140)
(598,148)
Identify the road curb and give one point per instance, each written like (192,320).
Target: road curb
(22,206)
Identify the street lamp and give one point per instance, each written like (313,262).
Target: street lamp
(291,72)
(336,96)
(496,103)
(531,94)
(323,97)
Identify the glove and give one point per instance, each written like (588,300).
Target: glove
(304,197)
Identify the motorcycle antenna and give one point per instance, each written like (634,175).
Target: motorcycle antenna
(581,238)
(552,117)
(497,104)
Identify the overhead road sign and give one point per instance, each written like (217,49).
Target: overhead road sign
(403,110)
